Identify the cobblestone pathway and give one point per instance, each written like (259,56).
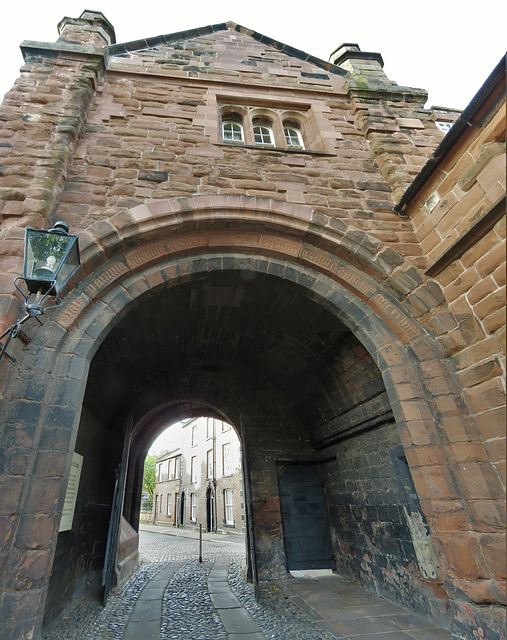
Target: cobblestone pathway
(174,597)
(188,612)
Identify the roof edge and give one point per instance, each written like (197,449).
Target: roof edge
(479,106)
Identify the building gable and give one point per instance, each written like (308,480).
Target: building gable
(228,52)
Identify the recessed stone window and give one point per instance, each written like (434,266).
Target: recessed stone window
(296,126)
(258,126)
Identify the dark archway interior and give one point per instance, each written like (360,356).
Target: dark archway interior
(225,330)
(260,352)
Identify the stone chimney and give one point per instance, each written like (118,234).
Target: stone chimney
(92,28)
(364,65)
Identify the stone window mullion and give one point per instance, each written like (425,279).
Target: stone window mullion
(248,128)
(278,132)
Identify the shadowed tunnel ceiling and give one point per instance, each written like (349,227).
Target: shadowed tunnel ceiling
(232,337)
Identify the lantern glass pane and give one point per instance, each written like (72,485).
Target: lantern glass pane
(70,264)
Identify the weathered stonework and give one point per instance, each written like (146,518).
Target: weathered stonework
(340,305)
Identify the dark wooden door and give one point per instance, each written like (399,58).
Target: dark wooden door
(304,519)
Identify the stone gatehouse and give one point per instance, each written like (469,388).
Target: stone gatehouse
(289,245)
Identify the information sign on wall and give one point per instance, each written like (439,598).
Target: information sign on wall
(71,493)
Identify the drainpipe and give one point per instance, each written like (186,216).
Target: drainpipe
(214,523)
(248,509)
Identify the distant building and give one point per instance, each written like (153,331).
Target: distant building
(201,481)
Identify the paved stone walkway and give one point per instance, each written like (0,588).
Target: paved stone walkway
(348,611)
(175,597)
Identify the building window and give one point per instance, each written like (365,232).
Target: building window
(209,464)
(168,504)
(292,127)
(444,126)
(174,464)
(228,508)
(293,135)
(209,428)
(225,426)
(226,459)
(194,435)
(193,469)
(232,128)
(232,131)
(262,131)
(193,507)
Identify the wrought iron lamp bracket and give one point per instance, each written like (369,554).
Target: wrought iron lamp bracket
(33,310)
(51,259)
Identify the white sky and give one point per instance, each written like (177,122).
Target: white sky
(165,442)
(448,47)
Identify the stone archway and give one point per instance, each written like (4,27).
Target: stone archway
(339,270)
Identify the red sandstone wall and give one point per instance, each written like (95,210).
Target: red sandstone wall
(82,143)
(457,200)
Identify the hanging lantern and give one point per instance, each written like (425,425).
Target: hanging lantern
(51,259)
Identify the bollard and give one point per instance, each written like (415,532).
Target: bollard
(200,543)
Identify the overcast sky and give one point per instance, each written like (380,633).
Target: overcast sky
(165,442)
(447,47)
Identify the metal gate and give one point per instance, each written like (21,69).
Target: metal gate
(109,570)
(304,519)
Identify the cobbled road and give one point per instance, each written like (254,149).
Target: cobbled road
(187,611)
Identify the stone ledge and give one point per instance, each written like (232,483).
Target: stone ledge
(33,48)
(377,91)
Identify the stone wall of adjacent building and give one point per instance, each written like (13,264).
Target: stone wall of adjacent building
(458,211)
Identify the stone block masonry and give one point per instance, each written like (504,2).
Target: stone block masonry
(339,301)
